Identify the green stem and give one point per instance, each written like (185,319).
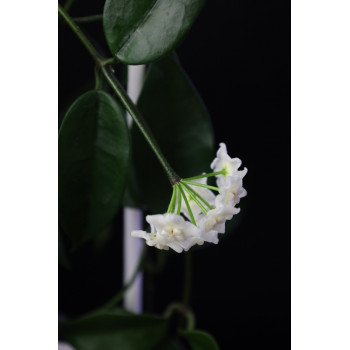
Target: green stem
(172,201)
(97,79)
(200,185)
(124,98)
(198,195)
(140,122)
(205,175)
(88,19)
(179,203)
(107,61)
(85,41)
(188,206)
(195,199)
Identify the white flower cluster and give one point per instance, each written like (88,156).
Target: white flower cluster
(206,211)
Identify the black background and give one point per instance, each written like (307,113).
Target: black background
(237,54)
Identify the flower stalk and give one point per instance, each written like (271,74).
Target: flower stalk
(205,175)
(188,206)
(171,207)
(193,196)
(179,203)
(198,196)
(200,185)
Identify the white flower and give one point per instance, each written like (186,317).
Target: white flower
(209,217)
(231,193)
(170,230)
(205,193)
(224,162)
(213,222)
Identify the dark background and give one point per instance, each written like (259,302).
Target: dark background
(237,54)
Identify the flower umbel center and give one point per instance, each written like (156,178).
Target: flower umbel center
(183,190)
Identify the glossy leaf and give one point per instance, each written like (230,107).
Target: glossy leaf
(141,31)
(182,127)
(93,156)
(199,340)
(114,330)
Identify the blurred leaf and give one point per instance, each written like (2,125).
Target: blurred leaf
(115,330)
(141,31)
(171,344)
(199,340)
(93,156)
(102,239)
(180,124)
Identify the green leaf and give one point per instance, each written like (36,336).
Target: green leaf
(180,124)
(199,340)
(141,31)
(93,157)
(115,330)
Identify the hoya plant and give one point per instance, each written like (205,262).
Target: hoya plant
(162,160)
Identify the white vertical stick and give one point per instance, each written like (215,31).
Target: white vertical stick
(133,218)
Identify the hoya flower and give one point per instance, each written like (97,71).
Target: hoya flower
(231,193)
(206,212)
(205,193)
(170,230)
(225,164)
(214,220)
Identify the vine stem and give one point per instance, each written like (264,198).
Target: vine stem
(88,19)
(141,123)
(122,95)
(85,41)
